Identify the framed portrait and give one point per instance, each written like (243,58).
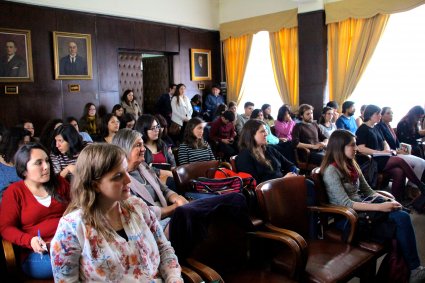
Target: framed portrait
(15,56)
(200,62)
(72,56)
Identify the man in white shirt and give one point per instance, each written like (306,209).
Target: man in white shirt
(73,64)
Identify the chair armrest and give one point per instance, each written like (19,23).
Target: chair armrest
(385,193)
(206,272)
(299,253)
(190,276)
(9,255)
(294,235)
(226,165)
(347,212)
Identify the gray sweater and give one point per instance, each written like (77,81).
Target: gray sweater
(343,192)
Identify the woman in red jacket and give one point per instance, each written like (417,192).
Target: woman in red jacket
(31,208)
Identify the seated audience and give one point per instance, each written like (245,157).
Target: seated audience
(221,108)
(118,111)
(371,142)
(222,134)
(157,151)
(31,209)
(194,147)
(346,186)
(12,140)
(307,134)
(128,121)
(347,121)
(325,121)
(65,149)
(106,235)
(164,131)
(284,124)
(213,100)
(144,182)
(267,111)
(233,107)
(46,136)
(243,118)
(108,128)
(196,103)
(360,119)
(74,122)
(263,162)
(417,163)
(334,105)
(258,114)
(130,105)
(90,122)
(408,130)
(29,126)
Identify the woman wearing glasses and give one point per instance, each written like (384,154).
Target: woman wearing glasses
(157,151)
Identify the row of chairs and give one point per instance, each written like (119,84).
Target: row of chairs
(283,223)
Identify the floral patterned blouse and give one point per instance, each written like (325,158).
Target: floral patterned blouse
(79,253)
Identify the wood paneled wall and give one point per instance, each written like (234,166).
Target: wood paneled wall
(47,98)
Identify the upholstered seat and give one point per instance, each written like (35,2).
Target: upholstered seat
(283,203)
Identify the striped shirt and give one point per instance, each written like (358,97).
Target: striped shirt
(189,155)
(60,161)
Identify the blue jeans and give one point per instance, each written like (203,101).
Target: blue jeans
(38,266)
(405,235)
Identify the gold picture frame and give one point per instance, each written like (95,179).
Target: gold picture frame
(200,62)
(72,56)
(16,61)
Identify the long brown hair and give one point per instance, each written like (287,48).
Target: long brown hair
(94,162)
(247,141)
(335,153)
(177,93)
(189,138)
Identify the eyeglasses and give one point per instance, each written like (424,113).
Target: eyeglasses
(155,128)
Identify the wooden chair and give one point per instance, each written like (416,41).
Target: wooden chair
(240,256)
(330,232)
(302,157)
(283,203)
(13,271)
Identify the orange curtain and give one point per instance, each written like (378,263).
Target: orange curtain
(351,44)
(284,57)
(236,54)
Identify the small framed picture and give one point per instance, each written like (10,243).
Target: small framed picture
(200,62)
(15,56)
(72,55)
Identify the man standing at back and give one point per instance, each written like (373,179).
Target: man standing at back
(242,118)
(212,101)
(347,121)
(163,105)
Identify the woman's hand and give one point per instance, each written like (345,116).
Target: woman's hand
(290,174)
(38,245)
(165,173)
(179,200)
(70,169)
(389,206)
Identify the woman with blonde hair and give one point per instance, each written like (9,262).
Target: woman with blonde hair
(105,234)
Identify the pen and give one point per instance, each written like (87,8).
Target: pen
(39,241)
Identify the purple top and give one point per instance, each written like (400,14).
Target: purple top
(284,129)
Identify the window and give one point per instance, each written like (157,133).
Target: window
(259,85)
(395,75)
